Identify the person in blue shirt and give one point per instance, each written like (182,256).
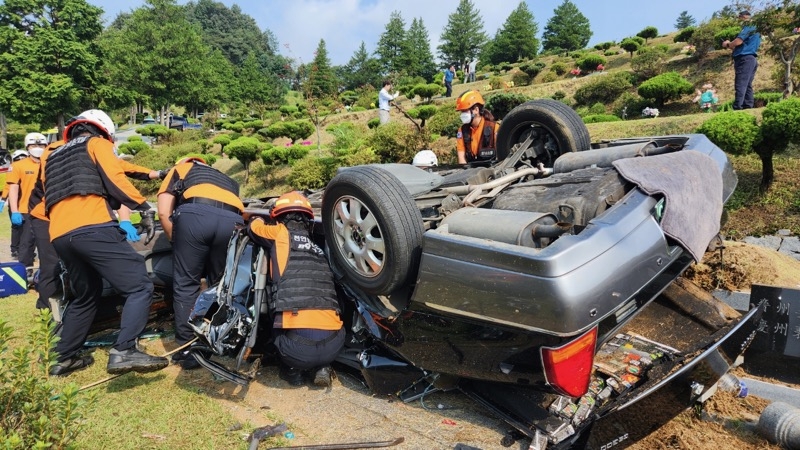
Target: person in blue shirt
(745,48)
(385,97)
(449,74)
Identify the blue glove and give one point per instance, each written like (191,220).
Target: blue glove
(16,218)
(2,205)
(127,227)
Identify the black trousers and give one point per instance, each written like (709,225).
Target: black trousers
(16,232)
(448,86)
(91,254)
(299,350)
(200,237)
(49,269)
(745,72)
(27,242)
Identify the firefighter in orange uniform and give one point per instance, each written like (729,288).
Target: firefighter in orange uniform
(307,330)
(16,230)
(21,180)
(83,184)
(199,208)
(476,139)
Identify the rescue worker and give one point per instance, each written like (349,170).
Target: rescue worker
(199,208)
(307,330)
(20,180)
(476,140)
(83,184)
(16,230)
(49,269)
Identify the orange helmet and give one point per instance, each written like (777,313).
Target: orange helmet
(469,99)
(291,202)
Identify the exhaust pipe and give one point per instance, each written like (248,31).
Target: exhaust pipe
(604,157)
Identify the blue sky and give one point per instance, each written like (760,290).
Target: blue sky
(343,24)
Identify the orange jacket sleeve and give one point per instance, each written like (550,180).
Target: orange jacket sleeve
(135,171)
(116,182)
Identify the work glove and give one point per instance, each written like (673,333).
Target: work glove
(2,205)
(16,218)
(128,228)
(163,173)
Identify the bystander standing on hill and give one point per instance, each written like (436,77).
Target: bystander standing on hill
(384,97)
(745,63)
(472,67)
(449,74)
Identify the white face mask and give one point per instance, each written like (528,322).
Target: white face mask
(466,117)
(36,152)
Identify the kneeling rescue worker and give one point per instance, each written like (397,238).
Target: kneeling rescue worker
(476,139)
(307,330)
(83,184)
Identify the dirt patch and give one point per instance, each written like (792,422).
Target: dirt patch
(740,265)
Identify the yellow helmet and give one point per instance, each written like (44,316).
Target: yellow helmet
(292,202)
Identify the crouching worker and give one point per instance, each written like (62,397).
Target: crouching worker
(83,183)
(303,305)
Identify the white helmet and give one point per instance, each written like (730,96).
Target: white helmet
(425,158)
(34,139)
(19,154)
(95,117)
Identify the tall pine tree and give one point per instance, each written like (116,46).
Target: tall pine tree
(362,69)
(567,30)
(516,39)
(393,46)
(322,80)
(463,36)
(684,20)
(420,58)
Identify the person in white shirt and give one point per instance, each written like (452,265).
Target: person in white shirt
(472,66)
(384,97)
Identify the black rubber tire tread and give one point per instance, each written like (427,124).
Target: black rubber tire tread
(398,218)
(563,122)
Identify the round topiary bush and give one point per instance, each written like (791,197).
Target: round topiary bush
(665,87)
(684,35)
(604,89)
(501,103)
(521,79)
(590,62)
(559,68)
(734,132)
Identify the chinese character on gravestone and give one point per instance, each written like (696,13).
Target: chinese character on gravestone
(779,329)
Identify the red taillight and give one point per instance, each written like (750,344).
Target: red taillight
(569,368)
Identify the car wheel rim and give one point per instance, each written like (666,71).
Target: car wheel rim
(544,142)
(358,236)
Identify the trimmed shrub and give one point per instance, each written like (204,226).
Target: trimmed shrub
(761,98)
(396,142)
(501,103)
(648,62)
(254,124)
(426,91)
(445,122)
(506,66)
(559,68)
(639,39)
(610,53)
(549,77)
(134,138)
(648,33)
(597,108)
(246,149)
(628,105)
(665,87)
(405,85)
(577,54)
(222,140)
(288,110)
(704,36)
(630,45)
(496,83)
(597,118)
(684,35)
(312,172)
(423,112)
(603,89)
(274,155)
(520,79)
(348,97)
(374,122)
(133,147)
(734,132)
(294,130)
(725,34)
(559,95)
(531,69)
(590,62)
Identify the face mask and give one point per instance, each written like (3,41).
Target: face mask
(466,117)
(36,151)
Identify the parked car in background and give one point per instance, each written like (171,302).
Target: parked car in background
(181,123)
(149,120)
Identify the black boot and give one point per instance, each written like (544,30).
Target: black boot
(322,377)
(121,361)
(71,364)
(291,375)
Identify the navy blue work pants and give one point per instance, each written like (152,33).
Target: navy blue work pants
(27,242)
(745,71)
(91,254)
(16,232)
(200,236)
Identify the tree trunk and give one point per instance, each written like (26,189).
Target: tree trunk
(767,170)
(3,131)
(60,124)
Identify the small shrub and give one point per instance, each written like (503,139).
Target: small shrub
(734,132)
(639,39)
(559,95)
(597,108)
(610,53)
(549,77)
(597,118)
(725,34)
(396,142)
(501,103)
(35,415)
(348,97)
(531,69)
(357,109)
(312,172)
(426,91)
(648,62)
(684,35)
(590,62)
(763,98)
(405,85)
(496,83)
(559,68)
(288,110)
(630,45)
(374,122)
(134,138)
(253,124)
(295,130)
(628,105)
(604,89)
(505,66)
(445,122)
(665,87)
(577,54)
(423,113)
(648,33)
(521,79)
(133,147)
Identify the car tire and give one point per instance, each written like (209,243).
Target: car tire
(555,123)
(373,229)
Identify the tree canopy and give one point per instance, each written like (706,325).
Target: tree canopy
(684,20)
(393,45)
(463,36)
(516,39)
(567,30)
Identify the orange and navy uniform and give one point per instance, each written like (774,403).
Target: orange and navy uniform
(204,190)
(24,173)
(83,210)
(319,319)
(476,138)
(36,202)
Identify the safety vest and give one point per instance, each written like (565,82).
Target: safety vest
(307,281)
(70,171)
(203,174)
(487,148)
